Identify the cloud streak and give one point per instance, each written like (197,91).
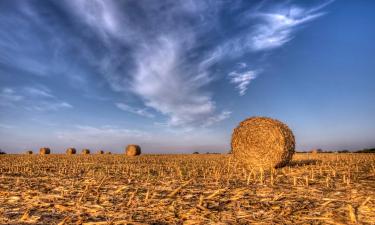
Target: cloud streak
(242,80)
(140,112)
(32,98)
(168,55)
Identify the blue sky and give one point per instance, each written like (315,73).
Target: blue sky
(178,76)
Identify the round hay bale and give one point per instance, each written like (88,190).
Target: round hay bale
(29,152)
(85,151)
(71,151)
(263,142)
(316,151)
(100,152)
(44,151)
(108,153)
(133,150)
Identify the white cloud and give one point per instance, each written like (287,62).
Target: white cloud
(102,16)
(217,118)
(272,30)
(8,97)
(32,98)
(242,79)
(277,28)
(128,108)
(165,56)
(48,106)
(160,73)
(166,84)
(39,91)
(82,134)
(163,67)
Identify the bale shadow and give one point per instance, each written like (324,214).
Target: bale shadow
(305,162)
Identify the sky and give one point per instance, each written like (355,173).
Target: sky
(178,76)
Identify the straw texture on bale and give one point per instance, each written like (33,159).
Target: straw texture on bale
(29,152)
(85,151)
(133,150)
(100,152)
(71,151)
(44,151)
(263,142)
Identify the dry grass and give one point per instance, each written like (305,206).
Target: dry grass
(263,142)
(186,189)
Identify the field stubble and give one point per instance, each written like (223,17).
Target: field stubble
(185,189)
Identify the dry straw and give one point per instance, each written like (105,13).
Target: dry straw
(263,142)
(133,150)
(71,151)
(85,151)
(44,151)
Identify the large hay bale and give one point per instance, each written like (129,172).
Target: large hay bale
(263,142)
(71,151)
(100,152)
(44,151)
(133,150)
(29,152)
(85,151)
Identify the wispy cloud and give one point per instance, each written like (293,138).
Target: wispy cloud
(39,91)
(161,73)
(6,126)
(9,97)
(84,134)
(169,86)
(32,98)
(48,106)
(277,28)
(273,28)
(242,79)
(138,111)
(166,54)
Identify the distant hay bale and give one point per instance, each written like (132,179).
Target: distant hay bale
(29,152)
(85,151)
(100,152)
(108,153)
(316,151)
(44,151)
(133,150)
(71,151)
(263,142)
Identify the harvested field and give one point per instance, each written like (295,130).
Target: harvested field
(185,189)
